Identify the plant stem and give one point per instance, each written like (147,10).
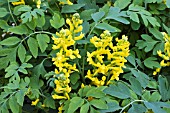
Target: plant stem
(130,104)
(44,32)
(11,13)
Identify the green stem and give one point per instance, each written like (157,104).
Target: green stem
(80,69)
(85,46)
(11,13)
(107,78)
(130,104)
(44,32)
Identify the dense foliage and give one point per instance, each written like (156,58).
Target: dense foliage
(85,56)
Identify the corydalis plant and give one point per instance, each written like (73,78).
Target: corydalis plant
(65,43)
(107,69)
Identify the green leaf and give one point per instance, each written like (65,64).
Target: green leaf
(10,41)
(4,25)
(31,24)
(3,12)
(20,97)
(71,8)
(43,41)
(57,21)
(3,108)
(49,102)
(158,46)
(166,28)
(75,103)
(122,3)
(132,60)
(97,16)
(114,13)
(155,97)
(21,53)
(154,106)
(164,88)
(148,44)
(105,26)
(99,104)
(74,77)
(156,33)
(21,29)
(168,3)
(13,105)
(145,21)
(16,12)
(26,17)
(135,86)
(112,107)
(39,69)
(84,108)
(137,108)
(22,70)
(25,8)
(153,84)
(151,63)
(134,17)
(86,14)
(153,21)
(121,91)
(33,46)
(95,93)
(40,21)
(135,25)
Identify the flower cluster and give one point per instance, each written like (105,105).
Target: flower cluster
(166,56)
(107,60)
(65,43)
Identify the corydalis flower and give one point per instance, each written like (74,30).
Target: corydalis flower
(107,60)
(66,39)
(34,103)
(21,2)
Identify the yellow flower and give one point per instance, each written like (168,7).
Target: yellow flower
(69,53)
(67,96)
(60,109)
(79,29)
(163,64)
(34,103)
(79,37)
(76,52)
(67,2)
(156,71)
(159,53)
(43,105)
(38,4)
(58,97)
(82,85)
(21,2)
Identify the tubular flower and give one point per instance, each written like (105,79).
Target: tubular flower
(165,55)
(67,2)
(107,60)
(21,2)
(34,103)
(65,40)
(60,109)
